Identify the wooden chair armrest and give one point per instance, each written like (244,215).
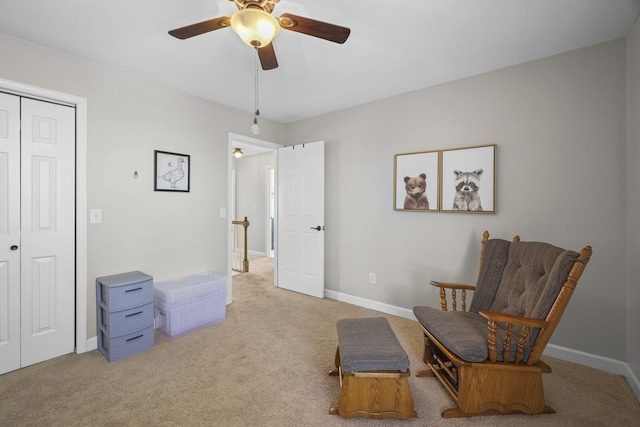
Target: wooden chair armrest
(496,316)
(453,287)
(527,323)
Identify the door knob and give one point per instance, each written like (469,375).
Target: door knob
(14,247)
(318,228)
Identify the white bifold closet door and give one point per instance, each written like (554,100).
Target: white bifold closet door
(37,231)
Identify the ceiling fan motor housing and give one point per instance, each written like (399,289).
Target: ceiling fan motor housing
(266,5)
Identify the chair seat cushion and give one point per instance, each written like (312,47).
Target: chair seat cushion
(462,332)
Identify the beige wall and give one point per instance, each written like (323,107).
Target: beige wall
(166,235)
(559,124)
(633,175)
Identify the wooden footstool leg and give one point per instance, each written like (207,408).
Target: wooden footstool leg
(336,371)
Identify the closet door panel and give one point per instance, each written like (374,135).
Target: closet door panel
(9,232)
(47,231)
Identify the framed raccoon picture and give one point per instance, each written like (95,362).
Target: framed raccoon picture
(468,179)
(415,182)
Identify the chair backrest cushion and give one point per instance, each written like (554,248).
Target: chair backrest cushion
(532,278)
(523,279)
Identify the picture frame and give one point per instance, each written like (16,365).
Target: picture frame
(416,182)
(172,171)
(468,179)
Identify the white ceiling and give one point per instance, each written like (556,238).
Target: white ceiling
(396,46)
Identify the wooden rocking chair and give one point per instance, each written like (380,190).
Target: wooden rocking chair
(488,358)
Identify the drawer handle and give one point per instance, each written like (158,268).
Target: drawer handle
(133,314)
(135,338)
(131,290)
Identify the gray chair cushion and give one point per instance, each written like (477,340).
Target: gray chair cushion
(369,344)
(464,333)
(534,272)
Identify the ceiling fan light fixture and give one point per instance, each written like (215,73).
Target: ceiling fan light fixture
(237,153)
(255,27)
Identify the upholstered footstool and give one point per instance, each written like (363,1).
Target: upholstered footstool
(373,370)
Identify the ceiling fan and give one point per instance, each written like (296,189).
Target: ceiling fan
(257,27)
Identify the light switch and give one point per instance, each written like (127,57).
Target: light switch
(96,216)
(223,212)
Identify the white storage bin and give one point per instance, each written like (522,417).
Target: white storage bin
(191,303)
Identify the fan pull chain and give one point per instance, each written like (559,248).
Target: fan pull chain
(255,129)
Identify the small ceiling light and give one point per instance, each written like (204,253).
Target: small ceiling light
(237,153)
(255,26)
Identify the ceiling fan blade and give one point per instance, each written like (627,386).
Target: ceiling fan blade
(268,57)
(323,30)
(201,27)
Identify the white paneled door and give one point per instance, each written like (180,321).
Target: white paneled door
(37,231)
(300,225)
(9,232)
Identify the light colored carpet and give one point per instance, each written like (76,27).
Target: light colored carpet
(266,364)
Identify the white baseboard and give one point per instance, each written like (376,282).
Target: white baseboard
(370,304)
(92,343)
(633,381)
(597,362)
(575,356)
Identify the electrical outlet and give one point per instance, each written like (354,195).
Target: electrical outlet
(372,277)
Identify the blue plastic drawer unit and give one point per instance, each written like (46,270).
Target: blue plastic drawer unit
(124,290)
(123,321)
(124,314)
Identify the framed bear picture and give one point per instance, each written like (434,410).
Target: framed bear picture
(468,179)
(416,182)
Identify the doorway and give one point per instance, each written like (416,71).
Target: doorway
(258,208)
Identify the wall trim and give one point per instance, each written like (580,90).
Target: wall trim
(370,304)
(575,356)
(92,343)
(595,361)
